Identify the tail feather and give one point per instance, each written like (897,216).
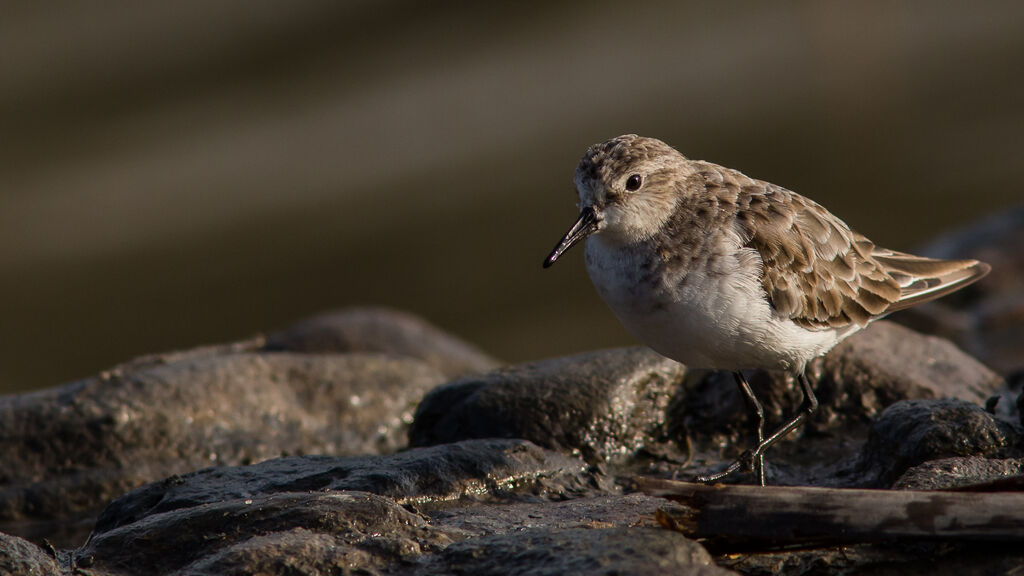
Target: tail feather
(923,279)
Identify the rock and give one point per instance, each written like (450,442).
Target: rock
(886,363)
(267,533)
(949,473)
(855,382)
(438,473)
(986,318)
(605,405)
(382,330)
(22,558)
(571,551)
(69,450)
(872,369)
(911,432)
(603,511)
(319,514)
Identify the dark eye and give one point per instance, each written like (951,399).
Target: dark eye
(633,183)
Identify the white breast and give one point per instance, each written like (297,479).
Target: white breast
(711,315)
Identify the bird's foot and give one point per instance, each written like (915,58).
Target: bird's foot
(748,461)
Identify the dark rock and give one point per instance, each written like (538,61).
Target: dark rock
(69,450)
(886,363)
(605,405)
(583,551)
(439,473)
(320,514)
(986,318)
(874,368)
(912,432)
(269,533)
(483,518)
(948,473)
(22,558)
(382,330)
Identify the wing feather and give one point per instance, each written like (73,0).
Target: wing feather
(822,274)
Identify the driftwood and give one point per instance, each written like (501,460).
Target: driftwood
(756,516)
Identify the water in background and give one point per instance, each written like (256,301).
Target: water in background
(181,173)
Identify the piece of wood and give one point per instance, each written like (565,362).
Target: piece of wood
(756,516)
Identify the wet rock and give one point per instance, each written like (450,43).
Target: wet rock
(949,473)
(605,405)
(887,362)
(872,369)
(986,318)
(268,533)
(912,432)
(854,383)
(69,450)
(483,518)
(439,473)
(383,330)
(322,514)
(22,558)
(569,551)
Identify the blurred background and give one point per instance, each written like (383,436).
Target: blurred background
(180,173)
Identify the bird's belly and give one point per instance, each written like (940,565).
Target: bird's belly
(707,321)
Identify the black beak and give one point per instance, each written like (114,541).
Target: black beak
(584,226)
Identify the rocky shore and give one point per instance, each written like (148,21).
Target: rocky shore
(367,441)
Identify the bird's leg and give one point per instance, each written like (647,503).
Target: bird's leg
(808,407)
(758,409)
(756,464)
(749,458)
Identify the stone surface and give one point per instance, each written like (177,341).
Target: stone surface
(947,473)
(438,473)
(382,330)
(22,558)
(579,551)
(603,511)
(887,362)
(605,405)
(854,383)
(358,515)
(912,432)
(69,450)
(273,532)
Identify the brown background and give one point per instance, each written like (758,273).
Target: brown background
(176,173)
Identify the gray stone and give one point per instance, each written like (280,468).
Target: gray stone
(854,383)
(949,473)
(321,514)
(582,551)
(912,432)
(382,330)
(270,533)
(435,474)
(69,450)
(22,558)
(887,362)
(604,511)
(605,405)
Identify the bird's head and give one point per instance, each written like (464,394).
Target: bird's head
(628,187)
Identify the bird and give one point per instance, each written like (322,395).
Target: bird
(717,270)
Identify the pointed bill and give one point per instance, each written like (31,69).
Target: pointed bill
(584,226)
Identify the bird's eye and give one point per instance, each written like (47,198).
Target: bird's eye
(633,183)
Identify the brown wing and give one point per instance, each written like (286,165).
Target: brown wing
(820,273)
